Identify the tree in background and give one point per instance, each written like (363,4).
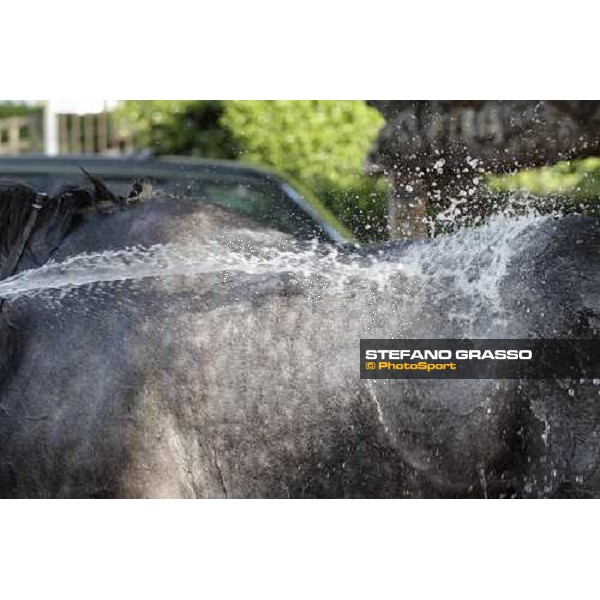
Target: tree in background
(18,109)
(323,144)
(189,127)
(437,155)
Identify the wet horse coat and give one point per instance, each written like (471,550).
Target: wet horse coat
(233,384)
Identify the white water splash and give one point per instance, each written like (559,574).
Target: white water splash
(171,260)
(472,260)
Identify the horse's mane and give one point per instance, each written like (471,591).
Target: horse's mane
(16,201)
(16,205)
(61,209)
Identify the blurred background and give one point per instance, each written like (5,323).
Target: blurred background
(326,146)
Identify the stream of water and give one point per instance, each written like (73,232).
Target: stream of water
(475,260)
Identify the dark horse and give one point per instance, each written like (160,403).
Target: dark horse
(243,382)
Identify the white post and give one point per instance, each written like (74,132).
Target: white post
(50,130)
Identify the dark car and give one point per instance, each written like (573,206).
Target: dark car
(257,193)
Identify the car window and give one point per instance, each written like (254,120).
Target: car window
(266,205)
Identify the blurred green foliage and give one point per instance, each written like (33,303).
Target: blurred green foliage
(564,188)
(314,140)
(321,143)
(576,181)
(10,109)
(189,127)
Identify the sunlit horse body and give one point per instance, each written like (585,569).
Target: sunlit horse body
(244,382)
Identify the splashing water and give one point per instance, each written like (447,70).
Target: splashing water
(472,263)
(170,260)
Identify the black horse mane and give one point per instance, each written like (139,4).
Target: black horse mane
(62,209)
